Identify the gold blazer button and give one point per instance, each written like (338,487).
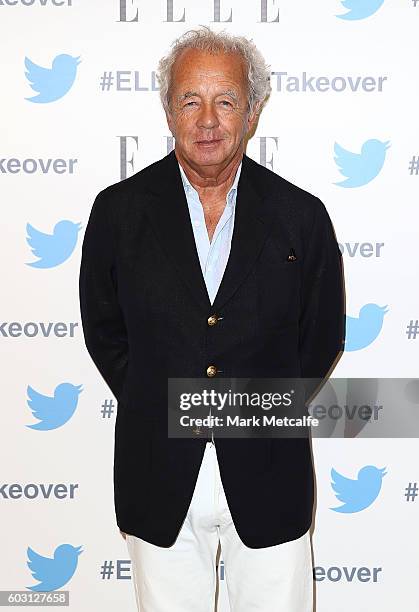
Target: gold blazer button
(211,370)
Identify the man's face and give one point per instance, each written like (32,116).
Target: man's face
(208,107)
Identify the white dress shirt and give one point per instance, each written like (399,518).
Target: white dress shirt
(213,256)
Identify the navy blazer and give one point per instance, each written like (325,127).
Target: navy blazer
(145,308)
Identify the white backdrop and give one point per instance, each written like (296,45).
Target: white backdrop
(345,81)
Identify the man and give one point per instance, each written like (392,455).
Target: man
(206,264)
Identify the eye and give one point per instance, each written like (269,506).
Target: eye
(189,103)
(226,102)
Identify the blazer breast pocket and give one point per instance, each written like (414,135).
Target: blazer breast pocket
(289,264)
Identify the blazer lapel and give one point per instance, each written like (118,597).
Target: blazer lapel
(169,215)
(252,224)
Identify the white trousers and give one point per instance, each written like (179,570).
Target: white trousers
(182,577)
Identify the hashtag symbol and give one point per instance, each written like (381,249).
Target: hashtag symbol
(107,570)
(411,491)
(107,409)
(106,81)
(414,162)
(412,329)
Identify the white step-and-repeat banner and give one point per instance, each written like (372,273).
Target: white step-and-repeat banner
(80,110)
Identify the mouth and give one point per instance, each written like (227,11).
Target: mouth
(208,144)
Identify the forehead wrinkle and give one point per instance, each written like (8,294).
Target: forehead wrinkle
(195,62)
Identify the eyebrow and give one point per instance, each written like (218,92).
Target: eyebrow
(190,94)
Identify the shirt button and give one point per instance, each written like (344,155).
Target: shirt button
(212,320)
(211,371)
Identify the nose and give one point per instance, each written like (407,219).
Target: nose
(207,117)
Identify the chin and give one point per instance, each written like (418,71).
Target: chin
(217,156)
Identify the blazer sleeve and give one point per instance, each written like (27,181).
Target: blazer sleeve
(322,314)
(102,319)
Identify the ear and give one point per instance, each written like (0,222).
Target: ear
(253,117)
(170,123)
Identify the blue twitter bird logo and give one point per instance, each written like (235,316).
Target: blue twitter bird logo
(357,495)
(362,331)
(52,83)
(360,9)
(53,573)
(52,249)
(52,412)
(361,168)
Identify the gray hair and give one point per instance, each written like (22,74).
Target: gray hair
(258,73)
